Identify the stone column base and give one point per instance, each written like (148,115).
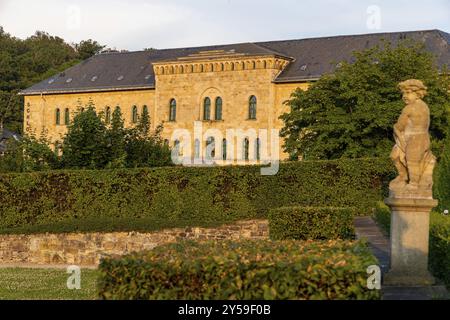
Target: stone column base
(410,227)
(402,278)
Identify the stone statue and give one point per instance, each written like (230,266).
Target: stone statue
(412,155)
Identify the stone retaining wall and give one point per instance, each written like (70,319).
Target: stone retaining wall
(88,248)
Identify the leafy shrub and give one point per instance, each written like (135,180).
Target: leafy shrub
(315,223)
(440,247)
(439,256)
(248,270)
(382,215)
(197,195)
(442,177)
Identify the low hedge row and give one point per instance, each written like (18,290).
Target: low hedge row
(315,223)
(200,196)
(439,256)
(249,270)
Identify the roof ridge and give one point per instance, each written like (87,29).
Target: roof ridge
(269,50)
(260,43)
(444,35)
(354,35)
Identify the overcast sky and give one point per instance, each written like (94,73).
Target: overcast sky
(138,24)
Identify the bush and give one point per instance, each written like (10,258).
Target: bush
(198,195)
(297,223)
(442,177)
(382,215)
(440,247)
(248,270)
(439,256)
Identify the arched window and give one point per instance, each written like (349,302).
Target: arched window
(134,117)
(58,117)
(108,115)
(258,149)
(224,149)
(207,109)
(246,150)
(67,117)
(173,110)
(144,110)
(219,103)
(197,149)
(210,148)
(252,108)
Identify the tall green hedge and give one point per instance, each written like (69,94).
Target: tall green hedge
(248,270)
(311,223)
(196,196)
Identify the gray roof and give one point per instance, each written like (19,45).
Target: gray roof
(311,59)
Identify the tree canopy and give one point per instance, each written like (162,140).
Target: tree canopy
(351,113)
(92,142)
(25,62)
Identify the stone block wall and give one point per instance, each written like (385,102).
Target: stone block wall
(86,249)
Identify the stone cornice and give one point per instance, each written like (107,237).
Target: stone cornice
(208,62)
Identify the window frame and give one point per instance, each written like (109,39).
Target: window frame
(207,109)
(252,107)
(218,109)
(134,115)
(66,116)
(173,110)
(58,116)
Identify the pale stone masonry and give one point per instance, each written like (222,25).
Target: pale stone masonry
(411,193)
(86,249)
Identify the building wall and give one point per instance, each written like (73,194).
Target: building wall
(189,87)
(40,111)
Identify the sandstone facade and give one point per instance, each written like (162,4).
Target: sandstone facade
(189,82)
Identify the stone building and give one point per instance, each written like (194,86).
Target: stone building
(236,86)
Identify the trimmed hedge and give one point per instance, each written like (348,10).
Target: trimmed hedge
(201,196)
(440,247)
(298,223)
(248,270)
(439,256)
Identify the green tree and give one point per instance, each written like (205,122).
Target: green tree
(26,62)
(29,154)
(145,148)
(351,113)
(85,145)
(88,48)
(115,136)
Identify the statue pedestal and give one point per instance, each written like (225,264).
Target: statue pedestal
(410,222)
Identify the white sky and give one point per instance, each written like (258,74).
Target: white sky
(138,24)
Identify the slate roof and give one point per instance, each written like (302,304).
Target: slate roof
(311,58)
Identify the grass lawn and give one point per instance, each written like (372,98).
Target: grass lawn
(45,284)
